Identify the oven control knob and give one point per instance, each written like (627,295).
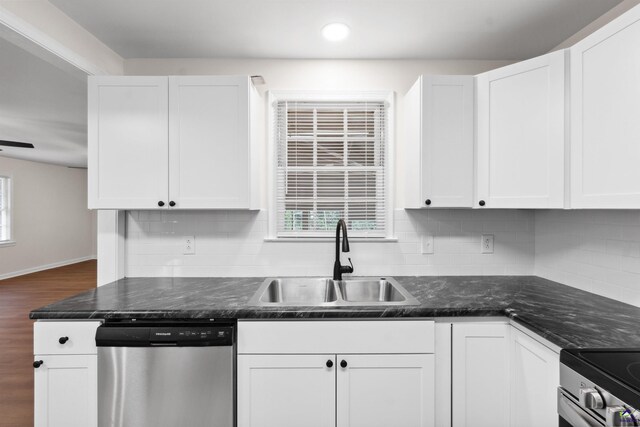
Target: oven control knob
(591,398)
(618,416)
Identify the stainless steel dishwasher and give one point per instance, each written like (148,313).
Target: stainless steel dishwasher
(166,375)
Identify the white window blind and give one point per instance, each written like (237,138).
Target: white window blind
(330,165)
(4,209)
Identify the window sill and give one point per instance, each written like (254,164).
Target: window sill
(7,243)
(329,239)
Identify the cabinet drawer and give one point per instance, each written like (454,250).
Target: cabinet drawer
(309,337)
(81,337)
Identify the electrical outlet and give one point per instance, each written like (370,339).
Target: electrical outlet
(189,245)
(427,244)
(486,244)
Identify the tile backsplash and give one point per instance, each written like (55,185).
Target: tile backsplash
(595,250)
(232,243)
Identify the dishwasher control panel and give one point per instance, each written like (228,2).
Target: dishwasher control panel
(151,336)
(191,335)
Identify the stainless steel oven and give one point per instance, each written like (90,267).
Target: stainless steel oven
(166,375)
(599,388)
(571,414)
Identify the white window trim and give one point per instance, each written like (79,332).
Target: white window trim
(273,97)
(11,241)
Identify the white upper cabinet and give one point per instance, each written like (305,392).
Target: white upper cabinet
(521,134)
(128,142)
(210,142)
(605,116)
(439,170)
(174,142)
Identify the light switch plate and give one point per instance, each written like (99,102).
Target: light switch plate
(427,244)
(189,245)
(486,244)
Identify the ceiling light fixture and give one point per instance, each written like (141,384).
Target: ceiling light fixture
(335,32)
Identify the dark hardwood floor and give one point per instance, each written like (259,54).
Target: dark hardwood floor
(18,296)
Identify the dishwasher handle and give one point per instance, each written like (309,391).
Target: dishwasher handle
(163,336)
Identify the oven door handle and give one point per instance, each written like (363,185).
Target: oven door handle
(574,414)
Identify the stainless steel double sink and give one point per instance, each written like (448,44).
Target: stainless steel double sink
(323,292)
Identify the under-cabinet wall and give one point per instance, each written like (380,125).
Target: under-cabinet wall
(594,250)
(231,243)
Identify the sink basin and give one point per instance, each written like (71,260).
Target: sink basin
(368,290)
(320,292)
(298,291)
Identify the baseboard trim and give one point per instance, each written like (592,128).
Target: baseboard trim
(45,267)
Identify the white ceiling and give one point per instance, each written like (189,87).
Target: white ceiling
(43,105)
(440,29)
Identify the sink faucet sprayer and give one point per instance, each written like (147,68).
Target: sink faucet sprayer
(338,268)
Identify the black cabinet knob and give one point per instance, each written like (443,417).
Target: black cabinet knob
(37,363)
(343,363)
(427,202)
(161,203)
(172,203)
(329,363)
(63,340)
(481,203)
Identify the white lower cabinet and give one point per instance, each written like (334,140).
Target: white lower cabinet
(335,388)
(286,390)
(66,391)
(502,377)
(65,374)
(535,375)
(385,390)
(354,390)
(480,375)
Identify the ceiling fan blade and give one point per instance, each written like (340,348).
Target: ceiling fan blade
(16,144)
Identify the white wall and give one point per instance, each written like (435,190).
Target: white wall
(232,243)
(51,223)
(594,250)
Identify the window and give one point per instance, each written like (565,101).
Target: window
(331,164)
(5,213)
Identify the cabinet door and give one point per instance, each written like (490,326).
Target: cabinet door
(521,138)
(480,375)
(286,390)
(128,142)
(439,150)
(535,377)
(209,142)
(447,155)
(605,128)
(66,391)
(386,390)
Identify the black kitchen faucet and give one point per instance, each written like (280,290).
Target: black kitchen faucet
(338,268)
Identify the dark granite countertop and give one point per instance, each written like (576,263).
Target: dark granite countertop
(565,316)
